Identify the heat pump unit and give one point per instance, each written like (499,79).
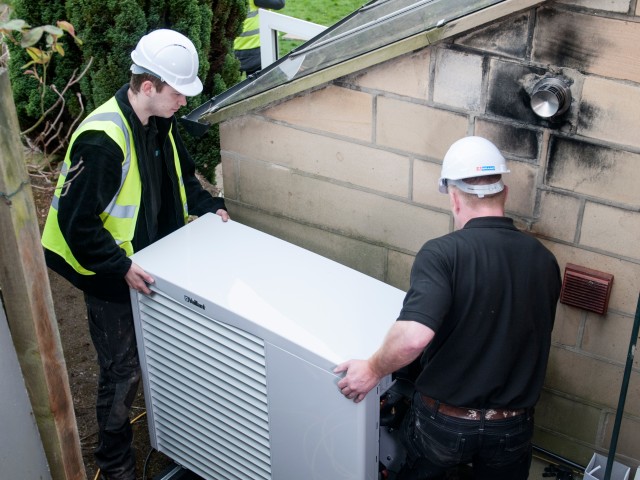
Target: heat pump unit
(238,343)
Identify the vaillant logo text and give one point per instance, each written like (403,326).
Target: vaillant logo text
(192,301)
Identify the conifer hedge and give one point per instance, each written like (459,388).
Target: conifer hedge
(110,30)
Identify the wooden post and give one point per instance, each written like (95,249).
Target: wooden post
(26,294)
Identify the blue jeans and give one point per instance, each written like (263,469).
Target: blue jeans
(497,449)
(113,335)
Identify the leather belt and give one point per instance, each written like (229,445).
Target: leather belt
(471,413)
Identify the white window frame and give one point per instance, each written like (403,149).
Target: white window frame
(271,23)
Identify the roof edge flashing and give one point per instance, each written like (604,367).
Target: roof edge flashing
(444,30)
(317,78)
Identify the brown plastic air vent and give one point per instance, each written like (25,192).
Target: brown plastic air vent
(585,288)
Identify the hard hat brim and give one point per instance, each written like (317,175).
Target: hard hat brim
(479,190)
(188,90)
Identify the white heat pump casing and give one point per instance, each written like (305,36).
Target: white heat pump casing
(238,343)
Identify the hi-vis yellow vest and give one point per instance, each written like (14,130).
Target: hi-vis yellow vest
(250,36)
(121,214)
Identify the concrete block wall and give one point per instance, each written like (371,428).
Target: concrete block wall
(350,169)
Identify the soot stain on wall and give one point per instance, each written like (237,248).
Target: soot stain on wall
(515,141)
(507,37)
(559,42)
(586,116)
(568,152)
(507,95)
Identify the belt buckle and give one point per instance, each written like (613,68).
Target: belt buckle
(490,413)
(470,414)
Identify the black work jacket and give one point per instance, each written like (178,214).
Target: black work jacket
(91,187)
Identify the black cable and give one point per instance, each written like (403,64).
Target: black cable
(559,472)
(577,467)
(146,462)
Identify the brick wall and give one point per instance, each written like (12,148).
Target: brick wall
(350,170)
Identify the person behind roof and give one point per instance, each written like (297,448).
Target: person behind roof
(247,45)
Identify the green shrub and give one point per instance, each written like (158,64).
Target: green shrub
(110,30)
(226,24)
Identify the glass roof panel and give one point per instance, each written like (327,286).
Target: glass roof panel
(374,25)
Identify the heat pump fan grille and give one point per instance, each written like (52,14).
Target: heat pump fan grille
(207,383)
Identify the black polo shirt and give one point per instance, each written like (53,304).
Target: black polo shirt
(489,291)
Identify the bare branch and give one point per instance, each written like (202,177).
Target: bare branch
(52,130)
(64,188)
(71,128)
(50,178)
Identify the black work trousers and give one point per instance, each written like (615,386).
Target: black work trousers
(112,331)
(497,449)
(250,61)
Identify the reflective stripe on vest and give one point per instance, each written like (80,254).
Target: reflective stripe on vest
(183,192)
(250,36)
(120,215)
(113,209)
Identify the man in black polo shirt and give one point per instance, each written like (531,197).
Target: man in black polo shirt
(479,311)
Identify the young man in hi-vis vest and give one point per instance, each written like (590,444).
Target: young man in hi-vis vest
(126,181)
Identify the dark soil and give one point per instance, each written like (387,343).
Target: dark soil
(82,365)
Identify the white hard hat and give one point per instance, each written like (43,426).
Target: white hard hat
(472,157)
(170,56)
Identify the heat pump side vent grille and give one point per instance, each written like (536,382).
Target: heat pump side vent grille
(207,386)
(213,352)
(230,433)
(201,325)
(210,381)
(217,450)
(203,397)
(219,363)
